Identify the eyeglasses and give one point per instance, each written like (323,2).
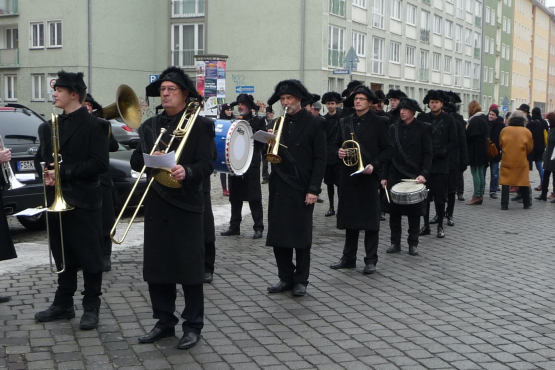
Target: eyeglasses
(170,89)
(362,99)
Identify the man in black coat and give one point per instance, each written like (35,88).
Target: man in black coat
(294,187)
(379,103)
(333,169)
(247,186)
(412,159)
(83,145)
(7,250)
(359,200)
(174,217)
(394,97)
(444,142)
(348,108)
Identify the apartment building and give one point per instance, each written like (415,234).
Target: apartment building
(540,61)
(551,75)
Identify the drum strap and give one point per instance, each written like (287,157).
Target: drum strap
(404,170)
(436,126)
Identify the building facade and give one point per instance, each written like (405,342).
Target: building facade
(551,75)
(540,61)
(522,53)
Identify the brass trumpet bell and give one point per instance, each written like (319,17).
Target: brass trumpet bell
(126,107)
(353,156)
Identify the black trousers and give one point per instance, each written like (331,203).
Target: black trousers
(545,182)
(265,173)
(396,229)
(524,191)
(451,191)
(460,182)
(438,188)
(371,241)
(287,270)
(256,212)
(67,285)
(209,257)
(163,298)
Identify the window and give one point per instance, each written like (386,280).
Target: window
(458,72)
(436,62)
(394,52)
(424,20)
(37,88)
(37,35)
(437,25)
(396,9)
(492,17)
(468,36)
(378,14)
(492,46)
(449,29)
(12,38)
(11,88)
(187,41)
(411,14)
(423,65)
(359,43)
(503,51)
(467,68)
(377,55)
(410,53)
(187,8)
(458,38)
(337,7)
(486,45)
(504,24)
(487,14)
(447,65)
(460,9)
(55,34)
(508,26)
(491,75)
(469,6)
(336,46)
(508,53)
(486,69)
(360,3)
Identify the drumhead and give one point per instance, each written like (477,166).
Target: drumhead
(407,187)
(235,146)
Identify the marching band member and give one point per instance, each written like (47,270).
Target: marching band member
(359,200)
(378,105)
(412,159)
(394,97)
(174,237)
(7,250)
(294,188)
(348,109)
(84,149)
(333,169)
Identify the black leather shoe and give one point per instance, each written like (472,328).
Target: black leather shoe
(541,197)
(5,298)
(425,231)
(527,206)
(450,221)
(188,340)
(393,249)
(230,232)
(280,287)
(257,234)
(89,320)
(344,264)
(382,216)
(413,250)
(330,212)
(55,313)
(299,290)
(208,277)
(156,334)
(319,200)
(440,232)
(460,197)
(504,208)
(433,220)
(369,269)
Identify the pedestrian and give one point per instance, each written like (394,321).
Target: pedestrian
(333,168)
(548,163)
(495,125)
(477,141)
(538,127)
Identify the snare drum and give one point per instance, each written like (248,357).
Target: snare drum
(408,193)
(235,146)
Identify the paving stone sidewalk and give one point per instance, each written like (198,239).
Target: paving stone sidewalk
(482,298)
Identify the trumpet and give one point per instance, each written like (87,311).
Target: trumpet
(353,156)
(273,145)
(7,172)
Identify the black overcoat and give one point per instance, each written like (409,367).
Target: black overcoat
(208,219)
(477,139)
(416,141)
(84,149)
(174,235)
(332,122)
(359,199)
(7,250)
(537,128)
(300,172)
(459,158)
(495,128)
(444,139)
(247,186)
(549,164)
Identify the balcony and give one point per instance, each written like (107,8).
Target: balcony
(8,8)
(477,53)
(9,58)
(478,21)
(423,76)
(476,83)
(425,35)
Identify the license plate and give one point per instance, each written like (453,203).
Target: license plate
(25,165)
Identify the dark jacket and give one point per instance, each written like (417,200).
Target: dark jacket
(537,127)
(332,122)
(444,139)
(359,200)
(477,139)
(7,250)
(549,164)
(395,115)
(459,160)
(495,128)
(300,172)
(386,117)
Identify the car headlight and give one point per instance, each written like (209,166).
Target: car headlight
(135,174)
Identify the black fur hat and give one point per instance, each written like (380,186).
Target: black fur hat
(331,96)
(455,98)
(450,107)
(381,97)
(436,95)
(95,105)
(71,80)
(313,99)
(351,87)
(269,109)
(246,99)
(524,108)
(395,94)
(290,87)
(178,77)
(409,104)
(350,101)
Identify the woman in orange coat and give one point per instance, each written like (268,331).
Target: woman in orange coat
(516,143)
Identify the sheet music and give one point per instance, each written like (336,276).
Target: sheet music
(164,161)
(25,176)
(263,136)
(30,212)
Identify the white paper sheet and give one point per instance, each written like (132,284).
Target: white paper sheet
(357,172)
(164,161)
(263,136)
(30,212)
(25,176)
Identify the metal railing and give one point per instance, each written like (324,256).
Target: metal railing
(425,35)
(478,21)
(187,8)
(477,53)
(9,58)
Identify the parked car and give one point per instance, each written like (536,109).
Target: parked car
(124,134)
(19,130)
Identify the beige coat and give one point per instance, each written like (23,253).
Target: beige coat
(516,143)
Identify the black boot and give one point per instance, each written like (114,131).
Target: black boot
(330,212)
(55,313)
(89,320)
(433,220)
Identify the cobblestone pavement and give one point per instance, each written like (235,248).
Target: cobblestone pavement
(482,297)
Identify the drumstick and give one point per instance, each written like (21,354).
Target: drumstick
(387,195)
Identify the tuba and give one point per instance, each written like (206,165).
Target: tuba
(273,145)
(354,156)
(7,172)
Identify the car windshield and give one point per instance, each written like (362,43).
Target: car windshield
(18,128)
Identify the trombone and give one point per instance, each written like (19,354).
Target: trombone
(273,144)
(59,205)
(7,172)
(162,176)
(353,156)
